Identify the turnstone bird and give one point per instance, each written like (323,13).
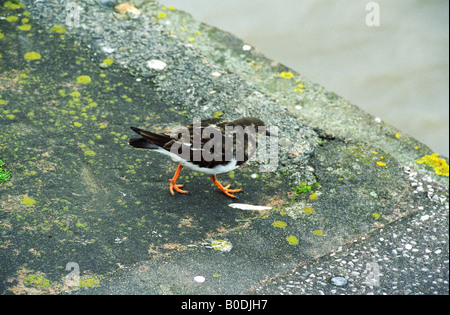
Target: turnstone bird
(211,146)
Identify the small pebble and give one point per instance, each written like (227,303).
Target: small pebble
(338,281)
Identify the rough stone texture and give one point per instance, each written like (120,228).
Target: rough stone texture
(80,194)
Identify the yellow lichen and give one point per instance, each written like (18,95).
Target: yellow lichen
(279,224)
(58,29)
(12,18)
(90,153)
(28,201)
(286,75)
(292,240)
(299,88)
(308,210)
(318,232)
(13,6)
(1,35)
(32,56)
(221,245)
(25,27)
(376,215)
(313,196)
(381,163)
(108,61)
(439,165)
(84,79)
(161,15)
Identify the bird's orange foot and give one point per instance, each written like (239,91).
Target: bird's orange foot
(226,190)
(174,185)
(173,182)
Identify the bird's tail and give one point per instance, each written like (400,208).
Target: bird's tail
(149,140)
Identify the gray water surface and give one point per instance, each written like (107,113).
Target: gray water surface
(398,71)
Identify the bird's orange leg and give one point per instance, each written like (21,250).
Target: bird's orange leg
(173,182)
(225,189)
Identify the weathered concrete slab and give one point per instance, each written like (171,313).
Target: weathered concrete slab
(80,194)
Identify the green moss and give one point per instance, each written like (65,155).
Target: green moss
(4,174)
(37,281)
(305,188)
(89,282)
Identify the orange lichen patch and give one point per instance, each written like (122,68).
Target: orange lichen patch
(439,165)
(127,8)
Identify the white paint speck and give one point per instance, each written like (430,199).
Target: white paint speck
(156,64)
(378,120)
(424,217)
(108,50)
(216,74)
(244,206)
(199,279)
(254,175)
(408,246)
(246,47)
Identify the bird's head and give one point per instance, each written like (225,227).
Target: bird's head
(257,123)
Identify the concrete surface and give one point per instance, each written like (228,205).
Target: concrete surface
(81,201)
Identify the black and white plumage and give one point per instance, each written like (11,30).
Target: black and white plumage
(207,146)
